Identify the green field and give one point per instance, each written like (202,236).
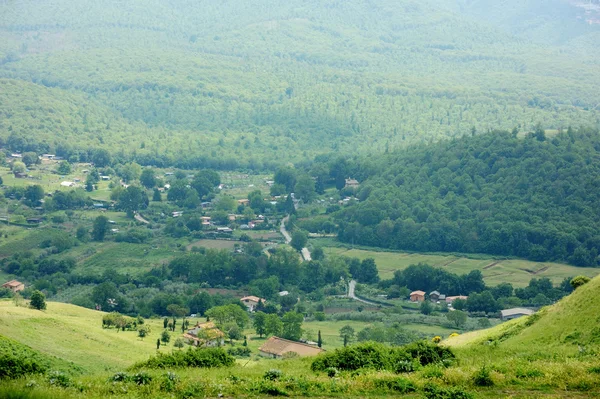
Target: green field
(214,244)
(75,334)
(515,271)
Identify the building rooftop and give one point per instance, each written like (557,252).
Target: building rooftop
(279,346)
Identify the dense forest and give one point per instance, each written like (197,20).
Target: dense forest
(234,85)
(534,197)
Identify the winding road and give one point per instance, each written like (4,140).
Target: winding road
(288,238)
(351,295)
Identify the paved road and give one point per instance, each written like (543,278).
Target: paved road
(283,231)
(288,238)
(351,287)
(139,218)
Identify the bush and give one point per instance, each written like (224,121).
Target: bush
(427,353)
(433,391)
(15,367)
(578,281)
(332,372)
(60,379)
(272,375)
(120,377)
(482,378)
(241,351)
(169,382)
(141,378)
(193,357)
(400,385)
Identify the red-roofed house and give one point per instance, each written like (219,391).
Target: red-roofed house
(14,286)
(417,296)
(251,302)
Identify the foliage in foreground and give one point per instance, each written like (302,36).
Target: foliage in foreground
(193,357)
(380,357)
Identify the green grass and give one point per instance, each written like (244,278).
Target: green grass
(128,258)
(76,335)
(215,244)
(24,239)
(518,272)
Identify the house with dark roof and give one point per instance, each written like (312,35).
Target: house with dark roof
(277,348)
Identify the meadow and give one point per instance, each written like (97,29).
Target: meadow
(518,272)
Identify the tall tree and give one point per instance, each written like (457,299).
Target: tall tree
(347,334)
(259,323)
(292,325)
(100,228)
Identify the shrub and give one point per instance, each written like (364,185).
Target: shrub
(400,385)
(433,371)
(120,377)
(15,367)
(59,378)
(594,370)
(273,375)
(433,391)
(482,378)
(193,357)
(241,351)
(578,281)
(331,372)
(169,382)
(141,378)
(427,353)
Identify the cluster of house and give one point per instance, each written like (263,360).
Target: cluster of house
(208,335)
(435,296)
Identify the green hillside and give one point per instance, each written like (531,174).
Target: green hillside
(232,85)
(74,334)
(497,193)
(568,327)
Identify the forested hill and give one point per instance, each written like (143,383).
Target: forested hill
(535,197)
(237,84)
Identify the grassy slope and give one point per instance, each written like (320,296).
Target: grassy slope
(515,271)
(563,327)
(75,334)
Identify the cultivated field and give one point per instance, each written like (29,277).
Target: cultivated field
(515,271)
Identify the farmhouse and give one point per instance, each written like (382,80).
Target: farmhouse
(14,285)
(351,183)
(417,296)
(251,302)
(276,348)
(67,184)
(205,334)
(509,314)
(435,296)
(244,202)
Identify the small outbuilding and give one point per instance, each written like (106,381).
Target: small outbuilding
(514,313)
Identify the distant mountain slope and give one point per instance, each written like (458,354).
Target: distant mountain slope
(257,83)
(568,326)
(533,197)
